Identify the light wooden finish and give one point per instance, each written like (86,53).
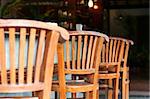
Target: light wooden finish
(19,98)
(124,69)
(109,69)
(83,51)
(31,23)
(31,75)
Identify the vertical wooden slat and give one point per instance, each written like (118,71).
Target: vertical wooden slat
(2,57)
(114,50)
(12,55)
(79,52)
(21,54)
(46,48)
(117,49)
(121,51)
(126,53)
(73,52)
(68,54)
(30,55)
(107,48)
(84,52)
(110,50)
(39,54)
(103,53)
(89,52)
(93,52)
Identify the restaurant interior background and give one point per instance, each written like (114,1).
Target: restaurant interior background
(124,18)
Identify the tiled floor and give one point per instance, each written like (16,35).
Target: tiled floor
(135,96)
(139,97)
(139,89)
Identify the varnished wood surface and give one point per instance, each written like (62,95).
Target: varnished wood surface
(113,54)
(37,24)
(124,69)
(82,58)
(35,73)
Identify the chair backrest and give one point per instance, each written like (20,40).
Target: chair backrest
(29,54)
(114,51)
(83,51)
(126,51)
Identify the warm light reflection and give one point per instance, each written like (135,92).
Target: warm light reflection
(95,7)
(90,3)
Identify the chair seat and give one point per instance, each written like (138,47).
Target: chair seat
(107,76)
(81,87)
(21,87)
(9,88)
(109,64)
(75,71)
(75,86)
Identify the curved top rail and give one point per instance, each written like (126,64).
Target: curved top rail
(89,33)
(35,24)
(126,40)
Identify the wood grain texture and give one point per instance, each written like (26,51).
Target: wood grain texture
(113,53)
(33,71)
(85,47)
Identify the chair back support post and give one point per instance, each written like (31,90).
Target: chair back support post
(125,71)
(61,66)
(97,58)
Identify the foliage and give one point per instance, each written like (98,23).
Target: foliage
(18,9)
(10,9)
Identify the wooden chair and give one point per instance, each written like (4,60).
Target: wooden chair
(109,70)
(30,70)
(80,55)
(19,97)
(124,70)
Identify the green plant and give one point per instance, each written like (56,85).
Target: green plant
(10,9)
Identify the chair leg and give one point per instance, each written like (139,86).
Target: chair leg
(116,88)
(127,91)
(127,86)
(94,95)
(97,95)
(56,95)
(110,92)
(73,95)
(124,77)
(88,95)
(33,93)
(123,88)
(44,94)
(62,94)
(37,93)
